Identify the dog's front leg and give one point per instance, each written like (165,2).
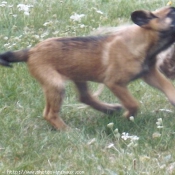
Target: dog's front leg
(126,99)
(156,79)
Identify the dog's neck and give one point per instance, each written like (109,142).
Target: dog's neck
(154,48)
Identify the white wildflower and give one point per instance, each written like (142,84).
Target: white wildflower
(159,120)
(159,123)
(82,26)
(125,136)
(2,5)
(100,12)
(26,13)
(159,127)
(17,39)
(4,2)
(36,36)
(55,32)
(131,118)
(116,131)
(44,34)
(46,24)
(7,45)
(25,8)
(76,17)
(6,38)
(14,15)
(110,125)
(49,23)
(134,138)
(165,110)
(111,145)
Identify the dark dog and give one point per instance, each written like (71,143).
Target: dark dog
(166,62)
(113,60)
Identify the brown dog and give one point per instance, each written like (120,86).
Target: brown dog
(113,60)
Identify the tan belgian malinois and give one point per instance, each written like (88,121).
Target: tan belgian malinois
(113,60)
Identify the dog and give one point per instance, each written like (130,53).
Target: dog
(166,62)
(114,60)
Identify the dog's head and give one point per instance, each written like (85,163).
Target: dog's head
(162,20)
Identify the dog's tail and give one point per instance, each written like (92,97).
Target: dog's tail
(12,57)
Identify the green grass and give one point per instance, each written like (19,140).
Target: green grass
(29,145)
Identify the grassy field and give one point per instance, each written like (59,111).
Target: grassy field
(98,144)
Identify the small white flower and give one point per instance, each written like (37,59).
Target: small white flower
(25,8)
(134,138)
(2,5)
(110,125)
(159,123)
(100,12)
(49,23)
(44,34)
(7,45)
(4,2)
(55,32)
(116,131)
(166,110)
(82,26)
(159,127)
(125,136)
(111,145)
(76,17)
(131,118)
(6,38)
(14,15)
(45,24)
(26,13)
(36,36)
(159,120)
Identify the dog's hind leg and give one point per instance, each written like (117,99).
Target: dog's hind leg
(90,100)
(53,87)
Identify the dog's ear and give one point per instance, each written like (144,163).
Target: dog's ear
(141,17)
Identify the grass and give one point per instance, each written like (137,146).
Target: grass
(29,145)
